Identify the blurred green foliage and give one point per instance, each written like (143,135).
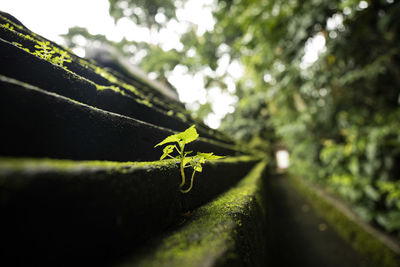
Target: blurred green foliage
(144,12)
(338,116)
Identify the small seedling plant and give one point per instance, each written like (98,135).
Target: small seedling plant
(47,52)
(195,162)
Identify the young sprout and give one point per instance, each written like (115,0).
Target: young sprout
(44,50)
(52,54)
(195,162)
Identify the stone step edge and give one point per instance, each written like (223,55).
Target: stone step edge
(373,244)
(215,234)
(6,79)
(112,208)
(37,165)
(202,126)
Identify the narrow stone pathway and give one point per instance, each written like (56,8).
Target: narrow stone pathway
(299,237)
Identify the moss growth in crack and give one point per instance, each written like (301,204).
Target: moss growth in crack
(361,240)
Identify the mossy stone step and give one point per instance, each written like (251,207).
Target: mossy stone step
(59,209)
(228,231)
(83,80)
(37,123)
(20,65)
(80,66)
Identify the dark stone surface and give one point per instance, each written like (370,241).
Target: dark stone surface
(40,124)
(95,215)
(17,64)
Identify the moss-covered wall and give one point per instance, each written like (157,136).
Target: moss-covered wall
(363,240)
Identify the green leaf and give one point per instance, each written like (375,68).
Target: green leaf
(209,156)
(189,135)
(187,160)
(188,152)
(390,220)
(198,168)
(167,150)
(182,138)
(169,139)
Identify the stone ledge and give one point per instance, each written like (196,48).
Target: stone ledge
(225,232)
(85,82)
(64,209)
(60,127)
(375,246)
(23,66)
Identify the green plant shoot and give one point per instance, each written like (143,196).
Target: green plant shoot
(194,162)
(47,52)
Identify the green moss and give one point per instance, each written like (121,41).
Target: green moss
(42,48)
(211,234)
(8,164)
(10,23)
(7,26)
(111,87)
(131,88)
(236,159)
(145,102)
(181,116)
(363,241)
(111,78)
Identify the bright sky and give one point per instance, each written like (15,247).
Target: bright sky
(51,18)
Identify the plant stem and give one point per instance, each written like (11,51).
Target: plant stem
(182,174)
(191,184)
(182,170)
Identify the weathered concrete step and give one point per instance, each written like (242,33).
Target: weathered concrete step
(18,64)
(37,123)
(376,248)
(59,211)
(78,65)
(84,82)
(228,231)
